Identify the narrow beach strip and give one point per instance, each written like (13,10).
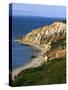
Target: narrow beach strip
(34,62)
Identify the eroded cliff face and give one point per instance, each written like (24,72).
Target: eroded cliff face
(43,35)
(51,39)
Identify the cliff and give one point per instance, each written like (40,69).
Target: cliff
(41,35)
(45,35)
(52,41)
(49,38)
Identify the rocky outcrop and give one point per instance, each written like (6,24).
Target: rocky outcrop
(43,38)
(56,53)
(43,35)
(51,39)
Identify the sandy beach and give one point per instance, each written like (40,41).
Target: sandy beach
(30,44)
(35,62)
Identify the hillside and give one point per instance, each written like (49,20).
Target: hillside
(51,39)
(52,73)
(41,36)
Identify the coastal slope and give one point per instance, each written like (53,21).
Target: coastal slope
(51,40)
(54,72)
(45,35)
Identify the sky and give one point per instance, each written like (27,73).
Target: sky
(19,9)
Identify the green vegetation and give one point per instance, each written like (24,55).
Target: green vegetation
(54,72)
(64,21)
(58,44)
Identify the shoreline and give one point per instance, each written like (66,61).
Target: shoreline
(35,62)
(29,44)
(39,60)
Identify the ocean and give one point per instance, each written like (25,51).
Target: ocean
(21,25)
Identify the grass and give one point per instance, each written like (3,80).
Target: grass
(64,21)
(59,43)
(54,72)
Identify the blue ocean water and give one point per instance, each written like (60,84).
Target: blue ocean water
(21,54)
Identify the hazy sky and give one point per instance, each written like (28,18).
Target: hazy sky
(38,10)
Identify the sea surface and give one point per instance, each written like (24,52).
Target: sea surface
(21,25)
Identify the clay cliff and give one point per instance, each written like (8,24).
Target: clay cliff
(45,35)
(50,38)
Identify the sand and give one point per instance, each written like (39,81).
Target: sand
(35,62)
